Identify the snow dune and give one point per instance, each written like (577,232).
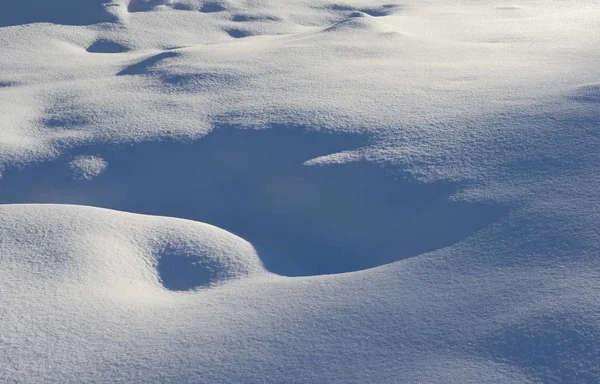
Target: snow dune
(128,252)
(201,191)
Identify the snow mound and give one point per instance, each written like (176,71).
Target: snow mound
(375,10)
(107,46)
(92,247)
(181,71)
(359,21)
(148,65)
(87,167)
(237,33)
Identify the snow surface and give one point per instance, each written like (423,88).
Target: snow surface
(300,191)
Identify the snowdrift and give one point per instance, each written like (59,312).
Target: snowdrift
(201,191)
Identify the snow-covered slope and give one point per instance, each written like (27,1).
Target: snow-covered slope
(299,191)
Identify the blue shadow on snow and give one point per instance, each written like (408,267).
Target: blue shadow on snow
(303,220)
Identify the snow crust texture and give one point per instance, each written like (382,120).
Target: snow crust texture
(302,191)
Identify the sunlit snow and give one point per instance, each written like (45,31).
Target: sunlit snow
(299,191)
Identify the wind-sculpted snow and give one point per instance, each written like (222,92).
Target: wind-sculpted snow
(303,219)
(299,191)
(129,252)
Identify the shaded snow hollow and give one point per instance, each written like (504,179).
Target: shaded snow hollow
(304,219)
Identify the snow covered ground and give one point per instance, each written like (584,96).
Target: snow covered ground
(299,191)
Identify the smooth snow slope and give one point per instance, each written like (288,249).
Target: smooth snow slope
(395,192)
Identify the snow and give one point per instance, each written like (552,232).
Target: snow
(299,191)
(87,167)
